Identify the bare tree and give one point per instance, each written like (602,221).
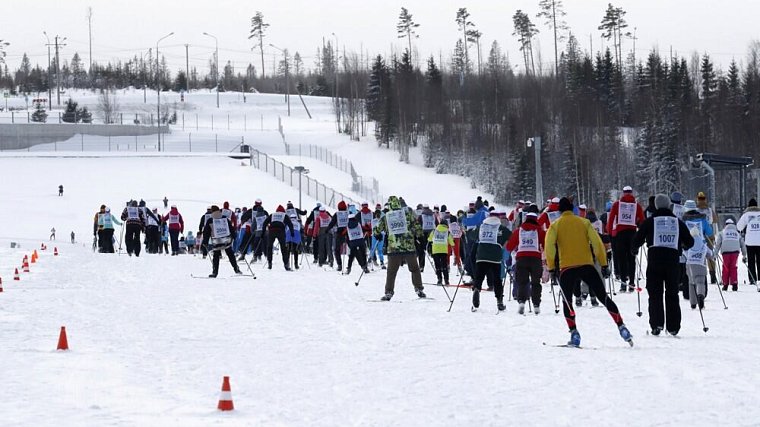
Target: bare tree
(108,105)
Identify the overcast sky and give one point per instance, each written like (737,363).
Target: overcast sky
(122,28)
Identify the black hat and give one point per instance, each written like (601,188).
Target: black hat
(752,202)
(214,208)
(565,204)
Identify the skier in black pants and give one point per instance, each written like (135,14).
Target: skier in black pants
(153,221)
(666,237)
(276,224)
(340,221)
(357,245)
(219,233)
(134,218)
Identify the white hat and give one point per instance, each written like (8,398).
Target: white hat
(729,221)
(321,208)
(582,206)
(531,214)
(627,189)
(555,200)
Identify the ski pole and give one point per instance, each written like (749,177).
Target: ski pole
(554,297)
(360,278)
(751,276)
(720,291)
(247,264)
(704,328)
(638,290)
(459,285)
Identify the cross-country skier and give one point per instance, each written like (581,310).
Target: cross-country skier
(402,229)
(340,222)
(204,219)
(729,244)
(749,224)
(694,220)
(528,242)
(218,235)
(176,226)
(135,220)
(624,217)
(441,242)
(103,227)
(357,245)
(378,240)
(492,236)
(275,225)
(428,222)
(666,237)
(572,244)
(704,208)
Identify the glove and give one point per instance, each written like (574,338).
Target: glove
(553,275)
(744,260)
(606,272)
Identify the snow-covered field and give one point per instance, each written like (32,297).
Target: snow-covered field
(149,345)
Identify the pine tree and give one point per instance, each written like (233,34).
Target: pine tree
(406,27)
(553,11)
(612,26)
(39,115)
(525,31)
(463,21)
(258,30)
(71,113)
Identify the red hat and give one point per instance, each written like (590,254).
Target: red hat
(342,205)
(280,208)
(226,205)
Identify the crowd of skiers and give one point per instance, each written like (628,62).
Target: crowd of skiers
(561,242)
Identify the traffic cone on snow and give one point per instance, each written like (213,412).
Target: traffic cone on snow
(25,266)
(16,276)
(34,256)
(225,397)
(1,284)
(42,246)
(55,251)
(63,342)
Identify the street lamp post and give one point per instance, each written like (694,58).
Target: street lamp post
(535,142)
(301,171)
(287,75)
(216,66)
(337,99)
(145,79)
(50,89)
(158,89)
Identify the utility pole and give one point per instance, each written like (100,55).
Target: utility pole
(89,24)
(216,65)
(49,83)
(158,89)
(187,67)
(287,74)
(536,143)
(58,68)
(337,82)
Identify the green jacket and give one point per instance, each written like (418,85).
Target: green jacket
(401,243)
(490,252)
(441,248)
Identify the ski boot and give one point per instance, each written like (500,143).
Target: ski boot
(348,270)
(713,279)
(701,301)
(725,287)
(735,287)
(366,270)
(536,310)
(475,298)
(421,294)
(625,334)
(521,308)
(656,330)
(623,288)
(631,286)
(238,272)
(594,301)
(386,297)
(500,304)
(578,302)
(575,338)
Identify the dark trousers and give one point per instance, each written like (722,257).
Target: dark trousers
(174,238)
(218,255)
(420,245)
(469,257)
(323,247)
(684,280)
(491,271)
(753,262)
(441,267)
(259,243)
(570,278)
(132,236)
(339,241)
(105,240)
(357,249)
(528,271)
(664,277)
(279,236)
(625,261)
(294,249)
(154,239)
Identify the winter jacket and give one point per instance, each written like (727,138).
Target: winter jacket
(694,217)
(671,239)
(321,224)
(749,224)
(441,240)
(133,215)
(215,239)
(366,216)
(401,229)
(354,231)
(277,221)
(174,219)
(550,215)
(532,245)
(615,219)
(229,214)
(427,220)
(104,221)
(730,241)
(340,219)
(204,218)
(575,242)
(491,251)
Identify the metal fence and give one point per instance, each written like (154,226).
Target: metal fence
(313,188)
(190,143)
(367,187)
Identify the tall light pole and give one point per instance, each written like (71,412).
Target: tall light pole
(58,68)
(50,88)
(337,99)
(216,66)
(301,171)
(287,74)
(158,89)
(145,78)
(535,142)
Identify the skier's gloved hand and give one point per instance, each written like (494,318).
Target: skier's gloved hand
(744,260)
(606,272)
(553,275)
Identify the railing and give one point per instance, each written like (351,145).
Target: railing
(190,142)
(367,187)
(313,188)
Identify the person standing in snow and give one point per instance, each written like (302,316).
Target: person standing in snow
(152,224)
(340,223)
(704,208)
(378,240)
(528,242)
(103,227)
(441,243)
(275,225)
(624,217)
(176,226)
(52,233)
(571,246)
(201,225)
(402,229)
(729,244)
(294,239)
(694,220)
(218,235)
(666,237)
(73,240)
(749,224)
(166,202)
(428,222)
(134,218)
(60,191)
(492,236)
(357,245)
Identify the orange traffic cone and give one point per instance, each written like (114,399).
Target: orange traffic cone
(55,251)
(225,397)
(34,256)
(16,276)
(63,342)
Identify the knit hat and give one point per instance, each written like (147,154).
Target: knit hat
(661,201)
(676,197)
(701,195)
(627,189)
(690,205)
(729,221)
(582,207)
(394,202)
(226,205)
(321,208)
(557,200)
(280,208)
(342,205)
(752,202)
(258,201)
(214,208)
(531,215)
(565,204)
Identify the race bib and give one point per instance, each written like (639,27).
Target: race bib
(151,221)
(173,219)
(260,221)
(367,218)
(342,220)
(396,221)
(730,234)
(428,222)
(489,233)
(440,237)
(665,232)
(296,223)
(278,217)
(470,215)
(456,230)
(324,221)
(678,210)
(355,233)
(528,241)
(291,212)
(133,213)
(627,214)
(220,228)
(696,256)
(553,216)
(106,221)
(374,222)
(754,226)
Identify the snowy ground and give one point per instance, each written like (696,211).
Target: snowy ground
(150,345)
